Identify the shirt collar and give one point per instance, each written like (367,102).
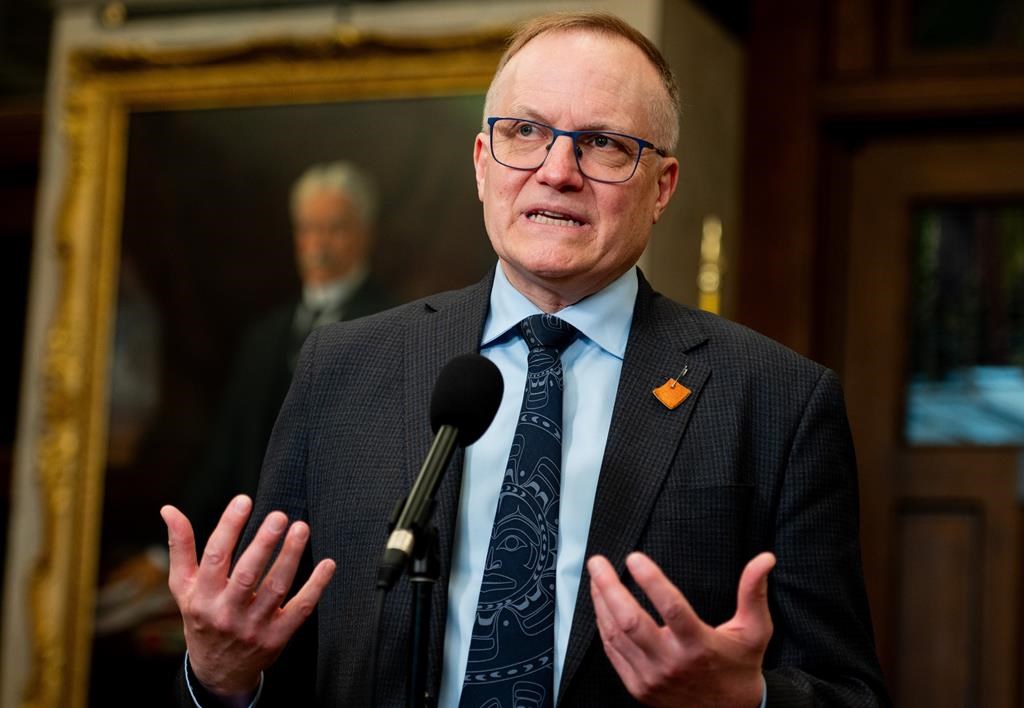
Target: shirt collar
(604,317)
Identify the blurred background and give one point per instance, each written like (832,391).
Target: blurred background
(852,186)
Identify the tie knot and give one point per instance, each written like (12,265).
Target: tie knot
(547,331)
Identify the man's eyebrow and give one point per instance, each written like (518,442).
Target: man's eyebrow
(530,114)
(603,128)
(527,113)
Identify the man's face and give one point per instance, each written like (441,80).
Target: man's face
(330,238)
(559,235)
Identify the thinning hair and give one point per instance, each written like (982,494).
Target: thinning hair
(666,111)
(341,176)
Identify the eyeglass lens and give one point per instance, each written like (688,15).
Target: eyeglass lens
(602,156)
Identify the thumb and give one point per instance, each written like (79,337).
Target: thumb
(753,621)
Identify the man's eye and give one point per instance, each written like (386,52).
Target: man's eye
(600,141)
(525,130)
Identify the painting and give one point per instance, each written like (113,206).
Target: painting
(174,237)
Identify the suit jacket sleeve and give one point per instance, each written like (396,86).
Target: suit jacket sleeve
(822,652)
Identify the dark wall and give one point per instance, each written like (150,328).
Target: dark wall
(20,134)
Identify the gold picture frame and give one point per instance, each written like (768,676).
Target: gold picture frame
(107,90)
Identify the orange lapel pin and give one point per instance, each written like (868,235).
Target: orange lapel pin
(672,393)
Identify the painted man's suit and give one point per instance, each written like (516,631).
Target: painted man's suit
(759,457)
(256,387)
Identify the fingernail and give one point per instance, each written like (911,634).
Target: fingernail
(164,513)
(276,522)
(301,532)
(241,504)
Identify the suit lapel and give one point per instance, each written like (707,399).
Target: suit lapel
(451,324)
(642,443)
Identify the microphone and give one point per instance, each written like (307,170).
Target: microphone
(465,399)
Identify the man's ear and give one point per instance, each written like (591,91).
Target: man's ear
(481,155)
(668,179)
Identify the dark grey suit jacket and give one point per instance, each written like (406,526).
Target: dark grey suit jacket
(758,458)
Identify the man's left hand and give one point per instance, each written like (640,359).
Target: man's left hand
(685,662)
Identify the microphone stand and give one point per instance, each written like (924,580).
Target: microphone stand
(468,392)
(424,571)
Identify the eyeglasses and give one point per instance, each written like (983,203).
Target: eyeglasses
(600,155)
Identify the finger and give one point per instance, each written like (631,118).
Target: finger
(213,568)
(245,576)
(615,641)
(623,609)
(622,664)
(671,604)
(300,607)
(275,586)
(602,615)
(753,620)
(606,626)
(181,548)
(622,667)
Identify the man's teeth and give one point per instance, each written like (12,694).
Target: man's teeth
(546,217)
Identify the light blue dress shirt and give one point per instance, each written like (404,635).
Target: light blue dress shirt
(592,365)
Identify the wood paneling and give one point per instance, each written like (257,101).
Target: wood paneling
(777,262)
(940,552)
(910,97)
(851,26)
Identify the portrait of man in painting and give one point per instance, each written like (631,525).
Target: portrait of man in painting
(206,250)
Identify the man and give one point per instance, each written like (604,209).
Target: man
(333,210)
(743,448)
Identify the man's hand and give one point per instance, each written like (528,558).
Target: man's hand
(685,662)
(235,625)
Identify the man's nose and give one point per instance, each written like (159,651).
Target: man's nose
(560,168)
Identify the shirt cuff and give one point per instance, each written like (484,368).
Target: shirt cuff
(202,698)
(764,691)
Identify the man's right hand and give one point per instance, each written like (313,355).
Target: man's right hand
(235,625)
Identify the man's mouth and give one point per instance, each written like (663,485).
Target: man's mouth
(552,218)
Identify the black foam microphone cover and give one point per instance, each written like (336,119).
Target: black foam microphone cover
(466,396)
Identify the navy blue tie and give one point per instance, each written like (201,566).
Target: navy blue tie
(511,654)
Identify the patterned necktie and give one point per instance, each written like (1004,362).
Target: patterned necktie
(511,654)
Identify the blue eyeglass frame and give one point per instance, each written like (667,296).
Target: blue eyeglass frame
(573,135)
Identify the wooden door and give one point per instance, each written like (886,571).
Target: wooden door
(941,521)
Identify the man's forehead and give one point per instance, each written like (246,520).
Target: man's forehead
(559,71)
(556,47)
(552,38)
